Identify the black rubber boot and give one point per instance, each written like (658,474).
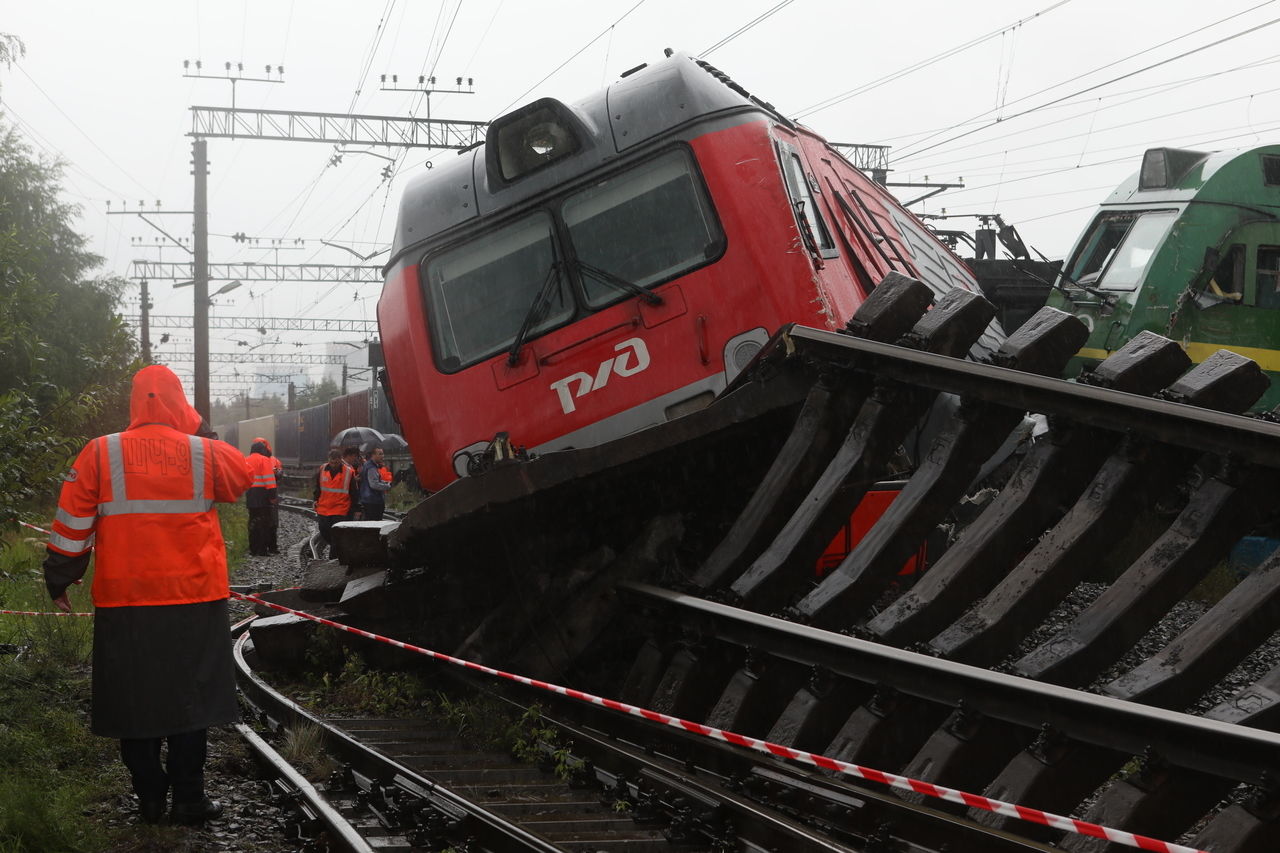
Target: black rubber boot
(150,809)
(198,812)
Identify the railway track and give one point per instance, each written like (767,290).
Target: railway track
(1044,659)
(412,784)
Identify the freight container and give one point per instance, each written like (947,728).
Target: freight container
(349,410)
(263,427)
(287,444)
(313,436)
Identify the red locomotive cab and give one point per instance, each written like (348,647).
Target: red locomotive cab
(597,269)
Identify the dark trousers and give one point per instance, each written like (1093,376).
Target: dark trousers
(373,512)
(273,543)
(183,768)
(260,532)
(326,523)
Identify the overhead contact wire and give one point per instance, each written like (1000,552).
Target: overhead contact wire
(1096,86)
(922,64)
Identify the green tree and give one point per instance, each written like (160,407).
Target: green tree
(313,395)
(66,356)
(11,48)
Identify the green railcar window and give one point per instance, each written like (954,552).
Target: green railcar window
(1269,276)
(1271,170)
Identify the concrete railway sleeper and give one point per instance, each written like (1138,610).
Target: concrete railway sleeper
(1066,570)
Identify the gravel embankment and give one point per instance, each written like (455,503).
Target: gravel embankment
(283,569)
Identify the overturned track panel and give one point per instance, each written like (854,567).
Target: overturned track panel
(1067,666)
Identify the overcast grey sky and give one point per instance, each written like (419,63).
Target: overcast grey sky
(1040,119)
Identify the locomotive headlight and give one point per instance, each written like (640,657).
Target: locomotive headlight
(740,349)
(545,139)
(530,138)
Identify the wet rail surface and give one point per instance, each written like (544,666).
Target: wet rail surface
(1107,706)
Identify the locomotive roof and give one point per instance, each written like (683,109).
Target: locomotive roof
(1220,176)
(645,103)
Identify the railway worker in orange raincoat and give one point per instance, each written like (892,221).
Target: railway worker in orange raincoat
(141,501)
(272,534)
(261,499)
(333,493)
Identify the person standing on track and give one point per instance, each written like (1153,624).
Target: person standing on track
(333,493)
(273,530)
(351,456)
(375,482)
(261,498)
(142,502)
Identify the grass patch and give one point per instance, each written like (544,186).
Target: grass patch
(303,747)
(52,770)
(402,498)
(341,681)
(60,784)
(234,519)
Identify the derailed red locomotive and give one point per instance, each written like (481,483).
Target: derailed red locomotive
(598,268)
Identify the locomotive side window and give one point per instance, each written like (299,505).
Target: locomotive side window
(1268,277)
(479,293)
(1227,281)
(812,227)
(1118,248)
(644,226)
(1271,170)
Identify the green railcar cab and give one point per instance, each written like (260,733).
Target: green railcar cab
(1189,248)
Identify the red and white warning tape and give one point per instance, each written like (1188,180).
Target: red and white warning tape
(33,527)
(1067,824)
(859,771)
(41,613)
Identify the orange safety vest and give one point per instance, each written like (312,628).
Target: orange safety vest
(335,491)
(262,471)
(143,501)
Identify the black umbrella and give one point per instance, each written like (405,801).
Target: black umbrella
(358,436)
(394,442)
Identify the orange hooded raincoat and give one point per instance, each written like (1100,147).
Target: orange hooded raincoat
(142,501)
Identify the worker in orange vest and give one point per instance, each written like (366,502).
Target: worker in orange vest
(142,501)
(261,499)
(333,493)
(277,469)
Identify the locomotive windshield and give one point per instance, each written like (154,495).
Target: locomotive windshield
(645,226)
(479,293)
(635,229)
(1118,248)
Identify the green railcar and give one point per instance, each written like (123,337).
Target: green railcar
(1189,247)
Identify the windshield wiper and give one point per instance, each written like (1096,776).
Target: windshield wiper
(535,312)
(619,283)
(1102,296)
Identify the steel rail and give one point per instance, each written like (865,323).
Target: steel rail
(339,828)
(845,810)
(1250,439)
(1235,752)
(605,746)
(490,830)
